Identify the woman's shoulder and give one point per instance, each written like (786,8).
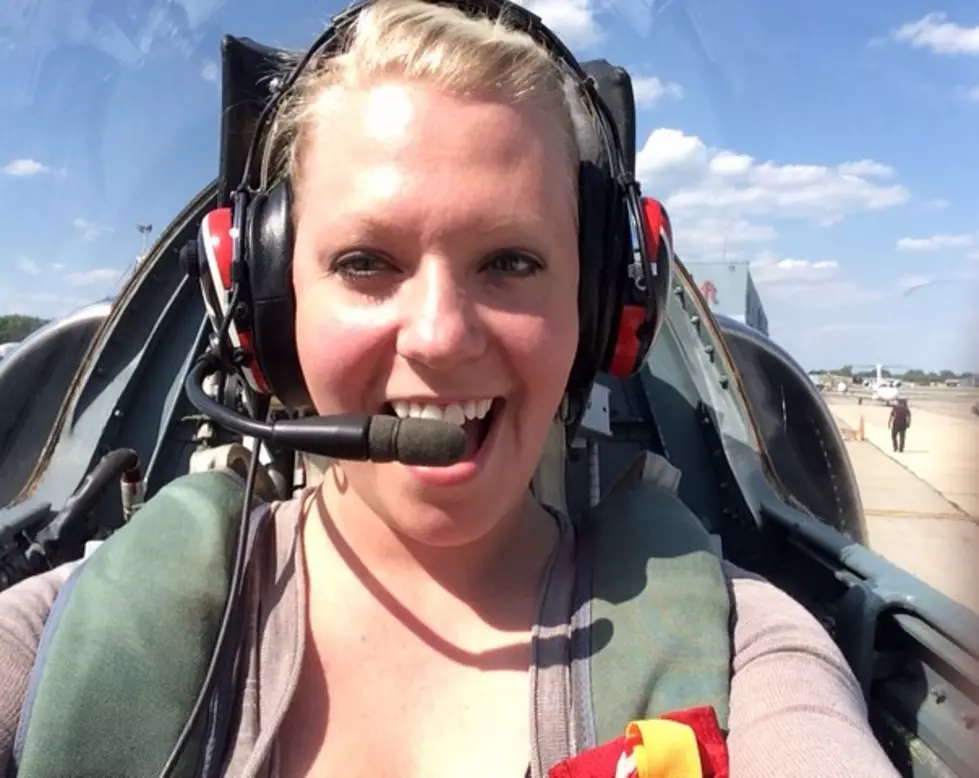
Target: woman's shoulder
(796,706)
(772,628)
(24,609)
(764,612)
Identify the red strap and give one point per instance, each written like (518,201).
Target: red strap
(710,739)
(598,762)
(601,761)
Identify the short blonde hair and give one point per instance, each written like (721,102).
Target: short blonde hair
(439,45)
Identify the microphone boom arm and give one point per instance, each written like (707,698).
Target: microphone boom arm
(359,437)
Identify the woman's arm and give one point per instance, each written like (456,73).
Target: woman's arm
(796,708)
(23,610)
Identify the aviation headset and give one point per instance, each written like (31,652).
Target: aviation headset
(248,248)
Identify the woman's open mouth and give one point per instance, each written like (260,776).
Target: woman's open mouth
(476,417)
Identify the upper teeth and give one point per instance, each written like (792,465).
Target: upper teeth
(457,413)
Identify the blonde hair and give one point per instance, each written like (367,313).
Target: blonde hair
(441,46)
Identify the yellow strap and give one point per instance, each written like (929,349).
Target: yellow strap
(668,750)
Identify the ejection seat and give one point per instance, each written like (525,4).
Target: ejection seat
(649,479)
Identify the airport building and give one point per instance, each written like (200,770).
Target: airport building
(730,291)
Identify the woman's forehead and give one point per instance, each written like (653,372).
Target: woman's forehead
(408,147)
(384,111)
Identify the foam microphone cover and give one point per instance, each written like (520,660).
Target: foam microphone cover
(430,442)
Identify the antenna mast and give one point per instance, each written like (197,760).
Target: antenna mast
(145,230)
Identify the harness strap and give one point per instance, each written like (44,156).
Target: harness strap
(550,680)
(132,631)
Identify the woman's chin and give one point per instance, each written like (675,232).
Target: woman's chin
(447,506)
(438,515)
(431,528)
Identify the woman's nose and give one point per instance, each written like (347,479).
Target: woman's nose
(440,322)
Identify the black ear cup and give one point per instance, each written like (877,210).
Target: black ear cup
(601,228)
(268,246)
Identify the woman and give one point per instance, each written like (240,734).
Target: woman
(394,608)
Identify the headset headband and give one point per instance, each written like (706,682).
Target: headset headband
(333,36)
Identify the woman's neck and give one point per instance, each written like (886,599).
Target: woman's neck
(505,563)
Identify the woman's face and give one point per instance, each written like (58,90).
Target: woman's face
(436,273)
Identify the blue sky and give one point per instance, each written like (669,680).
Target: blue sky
(835,146)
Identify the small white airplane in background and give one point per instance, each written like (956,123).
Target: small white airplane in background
(885,391)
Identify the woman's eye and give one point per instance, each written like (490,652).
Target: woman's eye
(360,265)
(514,263)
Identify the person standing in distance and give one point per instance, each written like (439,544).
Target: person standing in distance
(899,421)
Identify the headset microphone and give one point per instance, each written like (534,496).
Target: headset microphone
(376,438)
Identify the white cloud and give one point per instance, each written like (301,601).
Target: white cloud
(937,204)
(693,178)
(936,243)
(804,283)
(89,230)
(649,90)
(28,265)
(24,167)
(210,71)
(932,31)
(709,238)
(770,270)
(574,21)
(667,150)
(727,164)
(866,167)
(100,275)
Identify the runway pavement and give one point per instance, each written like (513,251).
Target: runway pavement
(922,505)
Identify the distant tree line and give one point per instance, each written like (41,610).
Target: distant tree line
(15,327)
(908,376)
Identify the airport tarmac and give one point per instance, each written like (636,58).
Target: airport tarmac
(922,505)
(955,402)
